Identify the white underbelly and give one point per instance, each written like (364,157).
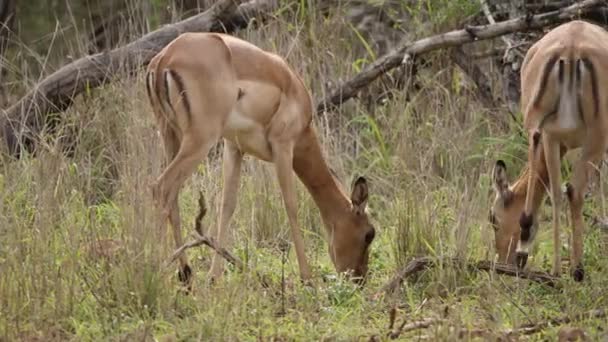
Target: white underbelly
(248,135)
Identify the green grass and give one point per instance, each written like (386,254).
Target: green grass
(428,162)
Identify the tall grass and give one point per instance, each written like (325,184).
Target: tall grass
(82,256)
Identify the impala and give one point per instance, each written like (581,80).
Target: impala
(564,103)
(207,86)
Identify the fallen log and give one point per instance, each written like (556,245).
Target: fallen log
(420,264)
(23,120)
(469,34)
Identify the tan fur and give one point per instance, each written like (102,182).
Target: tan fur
(566,110)
(259,106)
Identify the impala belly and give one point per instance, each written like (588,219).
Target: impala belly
(248,135)
(246,124)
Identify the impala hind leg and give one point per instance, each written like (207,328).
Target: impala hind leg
(231,169)
(166,189)
(171,142)
(575,191)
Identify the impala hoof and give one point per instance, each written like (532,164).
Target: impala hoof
(185,276)
(522,259)
(578,274)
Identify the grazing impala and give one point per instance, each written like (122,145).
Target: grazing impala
(563,99)
(207,86)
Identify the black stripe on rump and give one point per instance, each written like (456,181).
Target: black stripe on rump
(573,65)
(544,78)
(179,82)
(149,82)
(594,86)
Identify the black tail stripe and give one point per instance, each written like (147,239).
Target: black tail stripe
(594,85)
(148,82)
(580,107)
(572,74)
(560,75)
(181,89)
(544,78)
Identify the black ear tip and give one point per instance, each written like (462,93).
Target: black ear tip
(500,163)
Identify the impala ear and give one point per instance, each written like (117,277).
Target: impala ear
(359,195)
(500,181)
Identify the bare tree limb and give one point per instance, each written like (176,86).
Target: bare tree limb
(450,39)
(420,264)
(23,120)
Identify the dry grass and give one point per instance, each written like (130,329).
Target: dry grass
(81,257)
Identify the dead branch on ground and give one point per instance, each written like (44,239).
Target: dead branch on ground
(420,264)
(469,34)
(200,239)
(525,329)
(422,324)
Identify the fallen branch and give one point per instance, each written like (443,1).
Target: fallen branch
(526,329)
(23,121)
(450,39)
(420,264)
(529,329)
(200,239)
(422,324)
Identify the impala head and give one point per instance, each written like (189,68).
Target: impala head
(504,214)
(352,235)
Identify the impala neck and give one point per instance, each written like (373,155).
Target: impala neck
(311,168)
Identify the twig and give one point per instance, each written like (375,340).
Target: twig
(200,239)
(422,324)
(419,264)
(526,329)
(529,329)
(469,34)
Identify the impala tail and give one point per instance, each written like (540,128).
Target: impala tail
(568,86)
(167,93)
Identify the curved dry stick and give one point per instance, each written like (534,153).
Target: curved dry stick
(200,239)
(526,329)
(420,264)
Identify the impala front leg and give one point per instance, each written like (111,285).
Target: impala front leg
(231,169)
(552,157)
(527,220)
(283,161)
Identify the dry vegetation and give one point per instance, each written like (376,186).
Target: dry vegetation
(80,258)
